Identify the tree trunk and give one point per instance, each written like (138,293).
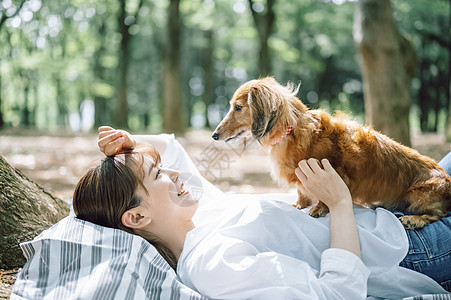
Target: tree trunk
(100,102)
(264,24)
(3,19)
(387,63)
(448,90)
(58,53)
(60,102)
(26,106)
(173,120)
(121,115)
(25,76)
(209,74)
(26,209)
(35,90)
(1,105)
(423,93)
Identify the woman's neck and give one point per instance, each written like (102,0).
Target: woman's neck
(172,236)
(175,239)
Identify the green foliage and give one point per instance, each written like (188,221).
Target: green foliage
(426,24)
(63,52)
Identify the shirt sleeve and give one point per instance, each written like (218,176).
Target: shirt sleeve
(228,274)
(344,271)
(176,157)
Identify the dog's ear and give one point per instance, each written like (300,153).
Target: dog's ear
(262,111)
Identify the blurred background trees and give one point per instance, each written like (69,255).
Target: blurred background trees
(170,65)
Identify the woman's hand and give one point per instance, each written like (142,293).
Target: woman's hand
(111,141)
(323,182)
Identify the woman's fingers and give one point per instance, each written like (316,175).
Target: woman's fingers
(111,141)
(327,166)
(105,128)
(322,181)
(113,147)
(315,165)
(106,131)
(107,137)
(305,168)
(129,142)
(310,166)
(301,176)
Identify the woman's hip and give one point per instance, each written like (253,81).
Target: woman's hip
(430,251)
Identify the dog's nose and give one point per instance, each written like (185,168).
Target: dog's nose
(215,136)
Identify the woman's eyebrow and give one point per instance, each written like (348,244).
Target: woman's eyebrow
(151,168)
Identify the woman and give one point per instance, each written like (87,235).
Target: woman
(253,248)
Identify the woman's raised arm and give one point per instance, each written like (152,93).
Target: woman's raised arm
(324,183)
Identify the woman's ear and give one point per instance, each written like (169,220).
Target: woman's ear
(135,218)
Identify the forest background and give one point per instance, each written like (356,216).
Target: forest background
(168,66)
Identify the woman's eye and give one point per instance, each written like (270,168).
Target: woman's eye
(158,173)
(238,107)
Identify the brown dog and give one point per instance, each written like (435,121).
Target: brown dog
(377,170)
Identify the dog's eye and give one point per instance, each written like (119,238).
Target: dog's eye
(238,107)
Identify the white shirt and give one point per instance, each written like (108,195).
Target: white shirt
(265,249)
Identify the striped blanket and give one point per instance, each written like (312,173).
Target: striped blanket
(76,259)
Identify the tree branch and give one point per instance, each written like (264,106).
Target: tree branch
(257,18)
(437,38)
(5,17)
(137,11)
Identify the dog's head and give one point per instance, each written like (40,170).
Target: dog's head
(258,108)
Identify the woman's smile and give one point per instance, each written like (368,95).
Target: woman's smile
(182,191)
(183,196)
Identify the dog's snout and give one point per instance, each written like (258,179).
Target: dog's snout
(215,136)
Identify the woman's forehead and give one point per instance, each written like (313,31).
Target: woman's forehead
(148,160)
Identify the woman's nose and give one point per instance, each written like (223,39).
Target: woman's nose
(173,174)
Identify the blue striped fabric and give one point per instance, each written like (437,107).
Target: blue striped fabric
(75,259)
(430,297)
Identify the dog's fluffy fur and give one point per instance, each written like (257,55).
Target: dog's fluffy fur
(377,170)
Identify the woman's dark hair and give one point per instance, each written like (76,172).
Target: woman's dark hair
(108,190)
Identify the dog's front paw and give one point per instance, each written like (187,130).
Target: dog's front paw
(297,205)
(319,211)
(413,222)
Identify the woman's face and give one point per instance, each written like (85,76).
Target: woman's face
(165,198)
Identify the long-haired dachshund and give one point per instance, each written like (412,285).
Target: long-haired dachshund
(377,170)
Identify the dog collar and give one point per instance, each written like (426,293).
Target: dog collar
(284,135)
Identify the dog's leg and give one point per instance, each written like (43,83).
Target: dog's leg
(415,221)
(319,210)
(428,201)
(303,200)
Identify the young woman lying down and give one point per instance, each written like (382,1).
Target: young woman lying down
(250,247)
